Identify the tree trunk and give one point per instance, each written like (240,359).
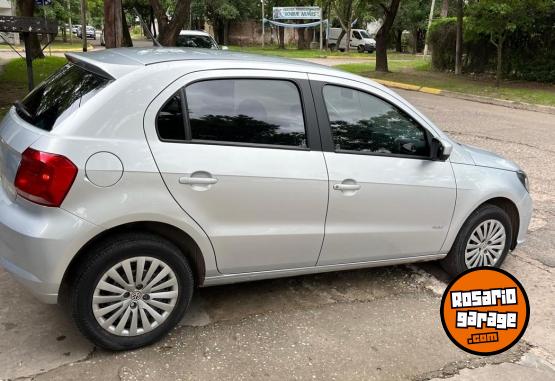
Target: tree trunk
(84,24)
(399,40)
(444,8)
(281,33)
(113,28)
(339,39)
(27,8)
(126,38)
(169,28)
(300,38)
(499,74)
(383,35)
(459,43)
(226,32)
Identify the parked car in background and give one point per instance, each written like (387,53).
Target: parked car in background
(220,167)
(75,28)
(90,32)
(197,39)
(360,40)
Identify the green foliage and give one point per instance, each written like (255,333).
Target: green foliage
(16,69)
(525,30)
(442,39)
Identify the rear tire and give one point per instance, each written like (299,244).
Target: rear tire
(107,266)
(484,240)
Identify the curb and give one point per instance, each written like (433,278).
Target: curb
(469,97)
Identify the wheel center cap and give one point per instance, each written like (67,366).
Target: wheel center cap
(136,295)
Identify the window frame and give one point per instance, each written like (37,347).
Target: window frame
(312,132)
(324,121)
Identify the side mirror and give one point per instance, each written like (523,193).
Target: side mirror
(224,47)
(441,149)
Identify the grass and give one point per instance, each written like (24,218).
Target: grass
(13,78)
(57,45)
(293,52)
(419,73)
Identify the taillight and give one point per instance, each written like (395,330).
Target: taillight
(44,178)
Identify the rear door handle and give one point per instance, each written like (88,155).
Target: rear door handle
(198,180)
(346,187)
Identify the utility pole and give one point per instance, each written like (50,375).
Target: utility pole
(459,43)
(70,24)
(321,24)
(84,23)
(48,35)
(262,2)
(429,25)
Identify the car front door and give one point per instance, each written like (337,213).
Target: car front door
(245,162)
(388,199)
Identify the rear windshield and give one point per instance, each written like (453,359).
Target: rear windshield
(60,95)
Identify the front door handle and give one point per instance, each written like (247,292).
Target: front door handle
(346,187)
(198,180)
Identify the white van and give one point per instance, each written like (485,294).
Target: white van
(360,40)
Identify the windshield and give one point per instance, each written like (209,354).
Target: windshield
(206,42)
(364,34)
(59,96)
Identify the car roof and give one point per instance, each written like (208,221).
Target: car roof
(117,62)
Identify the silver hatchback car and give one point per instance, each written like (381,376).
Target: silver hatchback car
(132,176)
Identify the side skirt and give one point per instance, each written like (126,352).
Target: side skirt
(270,274)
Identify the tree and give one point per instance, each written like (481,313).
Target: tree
(344,12)
(27,8)
(382,37)
(444,8)
(498,18)
(412,16)
(170,26)
(113,24)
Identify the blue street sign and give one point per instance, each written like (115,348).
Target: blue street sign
(43,2)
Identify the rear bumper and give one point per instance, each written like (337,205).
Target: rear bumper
(38,243)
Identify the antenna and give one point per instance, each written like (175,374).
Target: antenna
(154,40)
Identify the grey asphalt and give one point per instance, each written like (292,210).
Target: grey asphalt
(375,324)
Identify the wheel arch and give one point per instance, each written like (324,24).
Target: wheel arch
(178,237)
(511,209)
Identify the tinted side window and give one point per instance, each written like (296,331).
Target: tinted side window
(364,123)
(60,95)
(246,111)
(170,122)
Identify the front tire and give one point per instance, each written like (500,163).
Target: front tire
(131,291)
(484,240)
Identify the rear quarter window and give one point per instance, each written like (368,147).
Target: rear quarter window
(60,95)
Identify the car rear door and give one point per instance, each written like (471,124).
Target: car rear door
(246,164)
(388,199)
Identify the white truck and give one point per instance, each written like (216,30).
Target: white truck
(360,40)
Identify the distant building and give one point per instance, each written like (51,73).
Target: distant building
(7,8)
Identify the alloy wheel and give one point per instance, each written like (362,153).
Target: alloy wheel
(135,296)
(485,245)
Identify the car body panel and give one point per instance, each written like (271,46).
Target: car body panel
(38,243)
(268,208)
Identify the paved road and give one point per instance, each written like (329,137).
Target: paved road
(376,324)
